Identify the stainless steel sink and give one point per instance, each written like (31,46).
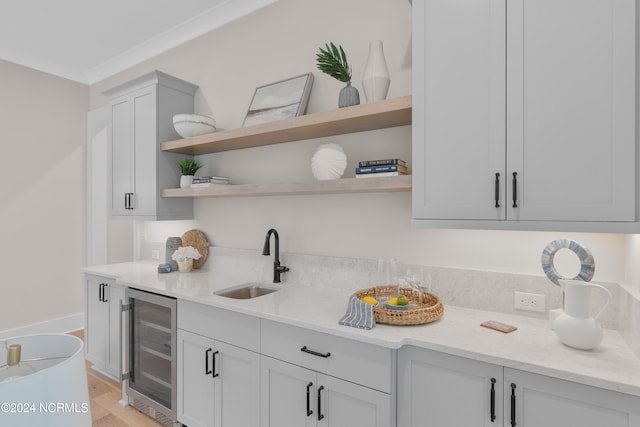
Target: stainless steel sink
(247,291)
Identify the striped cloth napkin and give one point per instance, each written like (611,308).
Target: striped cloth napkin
(359,314)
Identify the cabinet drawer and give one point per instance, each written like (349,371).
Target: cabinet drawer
(362,363)
(223,325)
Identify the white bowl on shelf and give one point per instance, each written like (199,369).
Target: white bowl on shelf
(189,125)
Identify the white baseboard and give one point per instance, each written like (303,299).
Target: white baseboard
(54,326)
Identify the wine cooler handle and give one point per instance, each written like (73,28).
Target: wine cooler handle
(497,190)
(515,189)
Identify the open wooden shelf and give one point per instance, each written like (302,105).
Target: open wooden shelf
(337,186)
(358,118)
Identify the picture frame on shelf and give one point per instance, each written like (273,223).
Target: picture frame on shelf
(280,100)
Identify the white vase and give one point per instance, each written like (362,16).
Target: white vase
(185,181)
(574,326)
(376,80)
(185,266)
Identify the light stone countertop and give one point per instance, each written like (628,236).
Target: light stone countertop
(533,347)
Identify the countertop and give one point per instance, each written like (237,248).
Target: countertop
(532,348)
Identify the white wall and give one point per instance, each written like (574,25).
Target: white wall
(280,41)
(42,188)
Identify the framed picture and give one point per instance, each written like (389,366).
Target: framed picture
(280,100)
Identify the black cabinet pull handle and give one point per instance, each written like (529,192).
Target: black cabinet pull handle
(320,416)
(213,371)
(105,292)
(515,189)
(126,200)
(513,405)
(497,190)
(100,292)
(207,371)
(315,353)
(309,411)
(493,399)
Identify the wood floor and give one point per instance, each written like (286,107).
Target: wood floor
(105,395)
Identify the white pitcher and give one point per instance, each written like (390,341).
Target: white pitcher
(574,326)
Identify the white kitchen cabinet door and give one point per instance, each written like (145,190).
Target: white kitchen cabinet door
(288,394)
(237,386)
(142,113)
(96,322)
(459,109)
(121,156)
(550,108)
(342,403)
(440,390)
(550,402)
(102,324)
(297,397)
(196,387)
(571,91)
(218,383)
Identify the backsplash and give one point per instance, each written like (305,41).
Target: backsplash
(482,290)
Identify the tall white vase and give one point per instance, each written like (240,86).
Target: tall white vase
(376,80)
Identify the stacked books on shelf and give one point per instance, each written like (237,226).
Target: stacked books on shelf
(382,167)
(208,181)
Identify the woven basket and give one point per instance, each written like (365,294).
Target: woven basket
(426,308)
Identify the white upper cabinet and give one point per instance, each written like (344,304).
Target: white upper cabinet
(524,116)
(142,113)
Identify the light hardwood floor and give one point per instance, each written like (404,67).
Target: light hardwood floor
(105,395)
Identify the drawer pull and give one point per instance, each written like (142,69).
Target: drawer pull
(315,353)
(320,416)
(309,411)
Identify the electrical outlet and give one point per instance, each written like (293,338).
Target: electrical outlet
(530,302)
(155,254)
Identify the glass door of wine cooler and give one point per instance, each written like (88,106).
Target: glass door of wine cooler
(152,349)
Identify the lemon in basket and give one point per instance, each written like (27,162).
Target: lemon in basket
(393,301)
(370,300)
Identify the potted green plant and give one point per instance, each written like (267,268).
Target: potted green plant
(188,168)
(333,61)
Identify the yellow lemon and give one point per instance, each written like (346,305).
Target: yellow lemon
(393,301)
(403,300)
(370,300)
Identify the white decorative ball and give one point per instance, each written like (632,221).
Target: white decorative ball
(328,162)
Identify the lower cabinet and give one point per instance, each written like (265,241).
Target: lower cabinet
(293,396)
(440,390)
(102,324)
(218,383)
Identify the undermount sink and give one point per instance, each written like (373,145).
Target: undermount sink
(247,291)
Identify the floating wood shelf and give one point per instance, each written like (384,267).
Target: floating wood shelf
(358,118)
(337,186)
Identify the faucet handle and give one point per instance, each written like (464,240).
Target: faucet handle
(282,268)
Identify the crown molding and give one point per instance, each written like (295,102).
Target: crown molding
(189,30)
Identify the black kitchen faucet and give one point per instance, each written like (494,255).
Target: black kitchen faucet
(277,268)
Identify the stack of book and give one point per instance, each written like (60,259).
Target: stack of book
(208,181)
(382,167)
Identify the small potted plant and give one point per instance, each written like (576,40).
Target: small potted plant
(188,168)
(333,61)
(184,256)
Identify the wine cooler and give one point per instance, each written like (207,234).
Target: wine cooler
(150,368)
